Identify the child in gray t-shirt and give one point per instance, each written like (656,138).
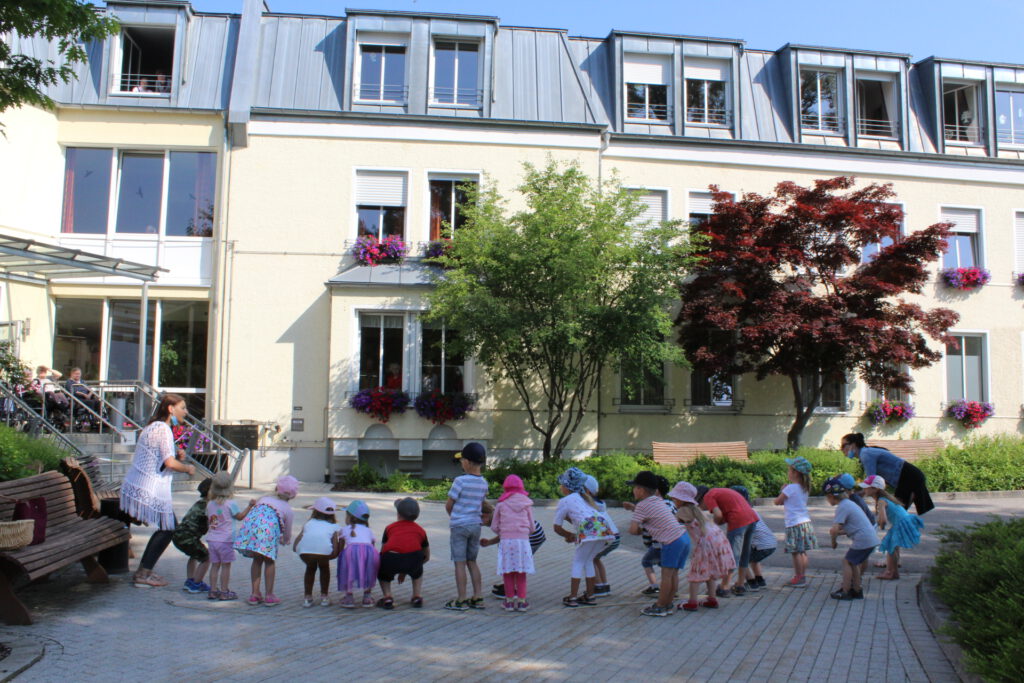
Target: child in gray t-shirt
(850,521)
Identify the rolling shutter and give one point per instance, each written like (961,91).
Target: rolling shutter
(379,188)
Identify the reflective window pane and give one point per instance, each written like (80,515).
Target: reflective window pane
(370,72)
(444,72)
(77,335)
(190,191)
(380,351)
(394,74)
(123,340)
(140,193)
(183,326)
(467,83)
(86,190)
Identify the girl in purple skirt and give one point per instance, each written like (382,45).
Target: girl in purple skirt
(359,560)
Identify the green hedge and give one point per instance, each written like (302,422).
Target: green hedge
(975,574)
(23,456)
(994,463)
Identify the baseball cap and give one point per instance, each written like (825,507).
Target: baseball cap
(874,481)
(473,452)
(684,491)
(408,508)
(847,480)
(324,505)
(591,485)
(800,464)
(834,486)
(646,479)
(358,509)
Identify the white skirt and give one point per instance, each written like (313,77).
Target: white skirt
(514,556)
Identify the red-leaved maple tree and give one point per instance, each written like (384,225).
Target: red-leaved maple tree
(779,289)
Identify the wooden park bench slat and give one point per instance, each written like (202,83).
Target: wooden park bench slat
(667,453)
(89,493)
(909,449)
(69,539)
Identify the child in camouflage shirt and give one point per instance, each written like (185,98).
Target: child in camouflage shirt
(187,538)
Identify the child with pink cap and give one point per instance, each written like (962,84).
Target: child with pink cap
(513,523)
(318,544)
(711,556)
(268,525)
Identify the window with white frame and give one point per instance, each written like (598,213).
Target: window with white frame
(381,73)
(1018,242)
(447,196)
(700,208)
(966,368)
(647,79)
(870,251)
(876,107)
(833,391)
(441,368)
(961,112)
(147,60)
(963,248)
(640,385)
(707,92)
(712,389)
(457,73)
(140,181)
(820,108)
(381,341)
(889,393)
(380,203)
(1010,117)
(655,207)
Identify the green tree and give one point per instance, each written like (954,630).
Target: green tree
(68,23)
(546,297)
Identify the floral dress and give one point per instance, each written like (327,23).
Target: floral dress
(261,531)
(711,557)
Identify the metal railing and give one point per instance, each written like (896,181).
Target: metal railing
(1010,137)
(383,94)
(829,123)
(149,84)
(711,117)
(109,419)
(18,414)
(711,405)
(878,128)
(467,97)
(660,113)
(954,132)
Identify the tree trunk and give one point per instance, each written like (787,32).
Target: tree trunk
(547,447)
(804,409)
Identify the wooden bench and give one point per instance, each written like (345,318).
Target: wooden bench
(909,449)
(685,453)
(69,539)
(90,492)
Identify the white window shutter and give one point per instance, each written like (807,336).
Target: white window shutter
(701,202)
(378,188)
(1018,242)
(654,206)
(963,220)
(706,69)
(651,69)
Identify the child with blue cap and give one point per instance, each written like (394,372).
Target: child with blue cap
(359,562)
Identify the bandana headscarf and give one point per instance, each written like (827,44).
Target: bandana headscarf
(573,479)
(512,485)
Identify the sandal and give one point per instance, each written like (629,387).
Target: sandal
(228,595)
(587,600)
(886,576)
(476,603)
(386,603)
(254,599)
(570,601)
(417,602)
(213,595)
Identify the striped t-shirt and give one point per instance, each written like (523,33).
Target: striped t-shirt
(652,514)
(538,537)
(763,538)
(646,535)
(468,491)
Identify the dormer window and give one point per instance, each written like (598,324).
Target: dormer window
(961,112)
(876,107)
(707,93)
(382,72)
(820,110)
(647,79)
(456,73)
(147,60)
(1010,117)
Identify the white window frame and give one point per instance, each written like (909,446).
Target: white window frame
(980,234)
(1017,221)
(978,120)
(418,380)
(845,405)
(733,407)
(383,40)
(840,113)
(356,171)
(1016,136)
(666,194)
(903,228)
(986,366)
(445,174)
(699,69)
(666,403)
(479,94)
(116,54)
(891,81)
(665,63)
(873,395)
(409,328)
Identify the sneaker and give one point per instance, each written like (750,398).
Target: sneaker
(271,600)
(348,602)
(367,600)
(651,590)
(738,591)
(325,601)
(857,593)
(522,606)
(457,605)
(752,585)
(308,602)
(498,590)
(190,586)
(841,595)
(254,599)
(797,582)
(602,590)
(722,593)
(508,606)
(657,610)
(202,586)
(476,603)
(761,583)
(688,606)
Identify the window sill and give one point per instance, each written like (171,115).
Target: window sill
(646,410)
(699,124)
(449,105)
(650,122)
(963,143)
(382,103)
(826,133)
(716,410)
(147,95)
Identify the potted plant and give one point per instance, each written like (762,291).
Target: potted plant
(966,279)
(1018,279)
(437,249)
(971,414)
(380,403)
(443,407)
(370,251)
(885,411)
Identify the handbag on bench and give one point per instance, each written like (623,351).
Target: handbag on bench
(34,509)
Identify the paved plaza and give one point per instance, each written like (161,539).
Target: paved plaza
(117,631)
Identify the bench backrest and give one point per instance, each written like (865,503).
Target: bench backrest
(54,486)
(87,503)
(683,453)
(909,449)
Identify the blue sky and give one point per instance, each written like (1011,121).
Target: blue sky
(982,30)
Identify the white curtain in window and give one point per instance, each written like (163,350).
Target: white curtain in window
(963,220)
(379,188)
(651,69)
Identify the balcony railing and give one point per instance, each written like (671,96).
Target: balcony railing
(826,123)
(146,84)
(384,94)
(659,113)
(1010,137)
(877,128)
(710,117)
(954,132)
(463,97)
(720,405)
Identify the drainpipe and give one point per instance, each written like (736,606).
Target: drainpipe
(214,342)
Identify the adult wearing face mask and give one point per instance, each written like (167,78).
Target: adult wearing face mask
(907,480)
(146,491)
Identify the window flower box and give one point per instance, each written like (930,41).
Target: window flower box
(1018,279)
(370,251)
(443,407)
(380,403)
(437,249)
(971,414)
(886,412)
(966,279)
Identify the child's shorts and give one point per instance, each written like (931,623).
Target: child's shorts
(221,552)
(857,556)
(800,538)
(674,554)
(651,558)
(192,547)
(758,554)
(610,546)
(392,564)
(465,542)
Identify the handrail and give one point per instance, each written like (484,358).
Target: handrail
(36,420)
(75,401)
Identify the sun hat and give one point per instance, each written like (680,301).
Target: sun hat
(684,491)
(325,505)
(358,509)
(512,485)
(646,479)
(800,464)
(591,485)
(473,452)
(573,479)
(288,486)
(872,481)
(847,480)
(408,508)
(834,486)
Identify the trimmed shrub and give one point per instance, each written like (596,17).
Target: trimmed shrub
(991,463)
(22,455)
(975,574)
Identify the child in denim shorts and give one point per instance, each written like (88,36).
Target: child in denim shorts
(465,507)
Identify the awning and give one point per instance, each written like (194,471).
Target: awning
(26,260)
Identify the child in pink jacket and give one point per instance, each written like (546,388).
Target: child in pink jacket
(513,523)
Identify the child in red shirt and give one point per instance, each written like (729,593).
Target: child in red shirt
(403,552)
